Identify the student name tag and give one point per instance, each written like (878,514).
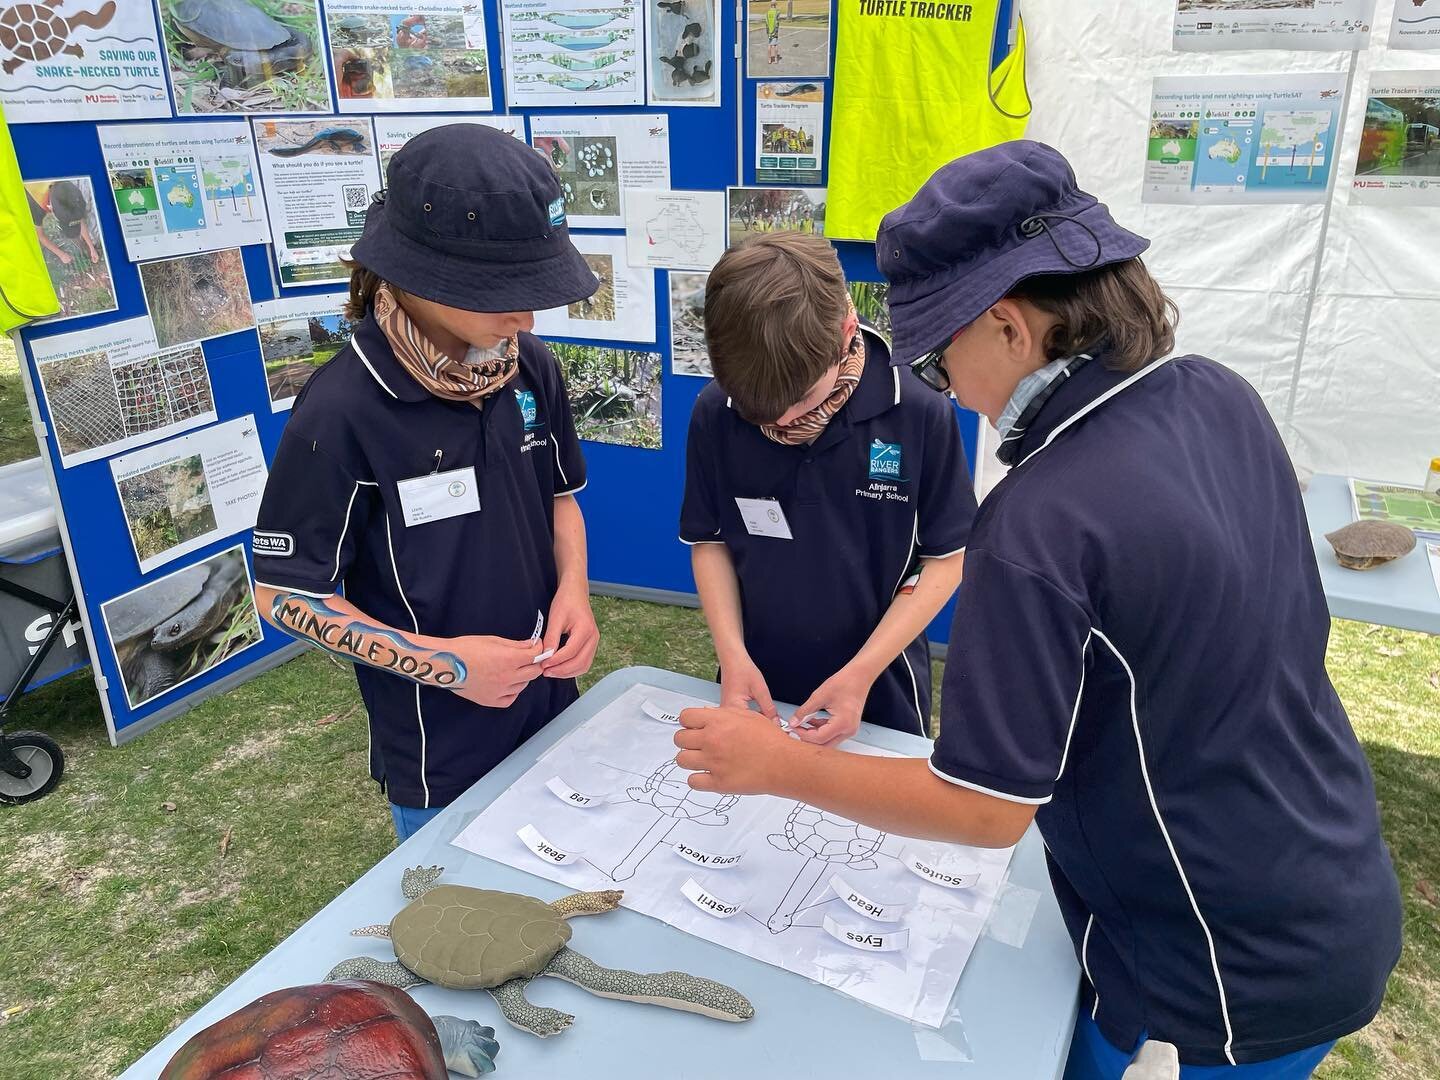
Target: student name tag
(531,838)
(861,904)
(866,940)
(711,859)
(708,902)
(424,499)
(946,876)
(763,517)
(569,796)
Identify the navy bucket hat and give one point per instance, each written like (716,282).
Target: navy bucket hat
(472,218)
(977,228)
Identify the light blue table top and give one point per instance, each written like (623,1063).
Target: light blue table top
(1015,1006)
(1401,593)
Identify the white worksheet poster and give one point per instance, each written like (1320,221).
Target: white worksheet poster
(598,158)
(888,921)
(319,177)
(112,387)
(573,54)
(789,133)
(182,188)
(623,306)
(675,230)
(1399,156)
(1213,25)
(1413,26)
(185,493)
(428,55)
(1243,138)
(299,335)
(393,132)
(681,49)
(81,61)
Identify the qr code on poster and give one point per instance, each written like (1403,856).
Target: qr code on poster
(356,196)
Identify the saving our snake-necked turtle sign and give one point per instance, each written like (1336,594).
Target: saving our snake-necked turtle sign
(783,882)
(80,60)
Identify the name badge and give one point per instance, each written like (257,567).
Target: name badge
(764,517)
(438,496)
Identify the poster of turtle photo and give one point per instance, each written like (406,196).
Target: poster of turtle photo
(298,336)
(786,38)
(66,224)
(598,158)
(246,56)
(1399,157)
(429,55)
(682,43)
(175,628)
(197,297)
(573,54)
(688,354)
(79,60)
(789,132)
(614,393)
(758,211)
(622,308)
(182,188)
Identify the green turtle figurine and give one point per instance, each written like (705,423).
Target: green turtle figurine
(480,939)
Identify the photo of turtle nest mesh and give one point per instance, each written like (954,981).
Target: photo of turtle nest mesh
(63,213)
(600,306)
(245,56)
(167,505)
(195,297)
(614,393)
(84,411)
(170,630)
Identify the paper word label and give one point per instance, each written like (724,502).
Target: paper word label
(861,904)
(424,499)
(568,795)
(531,838)
(764,517)
(950,879)
(705,858)
(707,901)
(655,712)
(868,940)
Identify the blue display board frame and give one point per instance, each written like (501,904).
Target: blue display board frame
(632,502)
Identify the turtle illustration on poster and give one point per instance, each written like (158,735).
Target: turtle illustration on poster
(668,792)
(826,841)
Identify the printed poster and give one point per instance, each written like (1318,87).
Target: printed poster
(81,60)
(181,188)
(789,133)
(427,56)
(284,72)
(112,387)
(180,495)
(197,297)
(787,38)
(68,228)
(1399,157)
(1415,25)
(598,158)
(622,308)
(688,352)
(682,46)
(319,177)
(1214,25)
(1398,504)
(675,230)
(755,211)
(177,627)
(614,393)
(393,132)
(570,54)
(298,336)
(1243,138)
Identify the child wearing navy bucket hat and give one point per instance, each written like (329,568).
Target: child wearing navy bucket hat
(430,469)
(1137,662)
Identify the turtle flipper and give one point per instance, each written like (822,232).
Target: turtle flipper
(380,930)
(668,989)
(418,880)
(863,864)
(581,903)
(391,973)
(780,842)
(469,1048)
(536,1019)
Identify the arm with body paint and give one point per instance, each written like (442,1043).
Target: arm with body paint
(741,682)
(486,670)
(571,617)
(843,694)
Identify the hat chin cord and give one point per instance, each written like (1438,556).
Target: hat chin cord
(1037,224)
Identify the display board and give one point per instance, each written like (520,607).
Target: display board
(153,358)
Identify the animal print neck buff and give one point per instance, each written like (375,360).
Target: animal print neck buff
(808,427)
(469,380)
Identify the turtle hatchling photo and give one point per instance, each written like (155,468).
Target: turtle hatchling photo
(480,939)
(245,56)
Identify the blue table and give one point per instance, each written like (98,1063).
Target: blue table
(1016,1006)
(1400,594)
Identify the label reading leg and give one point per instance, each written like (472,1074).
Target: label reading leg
(531,838)
(709,859)
(867,940)
(707,901)
(948,877)
(569,796)
(861,904)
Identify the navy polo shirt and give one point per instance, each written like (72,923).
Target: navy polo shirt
(1139,645)
(331,515)
(885,485)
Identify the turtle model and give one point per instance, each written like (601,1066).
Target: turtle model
(31,32)
(825,841)
(480,939)
(666,789)
(252,46)
(1364,545)
(351,1030)
(336,140)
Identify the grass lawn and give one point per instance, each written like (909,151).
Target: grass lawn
(17,437)
(158,872)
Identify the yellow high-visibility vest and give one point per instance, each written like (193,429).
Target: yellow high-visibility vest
(914,90)
(25,289)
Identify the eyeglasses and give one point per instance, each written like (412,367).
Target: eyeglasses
(930,368)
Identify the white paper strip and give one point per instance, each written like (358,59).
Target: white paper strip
(953,878)
(868,940)
(655,712)
(569,796)
(861,904)
(531,838)
(707,901)
(705,858)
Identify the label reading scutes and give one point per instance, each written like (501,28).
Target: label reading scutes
(707,901)
(568,795)
(531,838)
(712,860)
(953,877)
(861,904)
(867,940)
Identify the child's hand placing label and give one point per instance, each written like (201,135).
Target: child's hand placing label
(832,713)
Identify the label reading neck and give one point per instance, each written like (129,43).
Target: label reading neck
(708,902)
(867,940)
(555,856)
(861,904)
(709,859)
